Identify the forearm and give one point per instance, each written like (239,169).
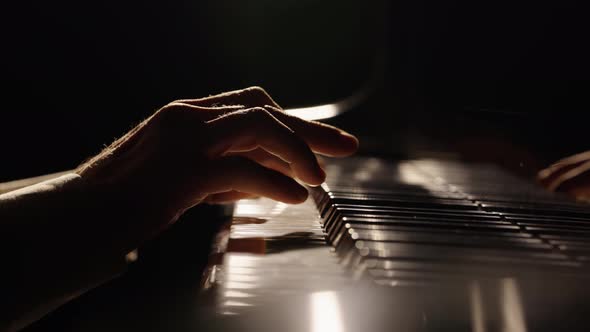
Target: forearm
(52,252)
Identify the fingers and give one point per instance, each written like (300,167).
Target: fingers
(570,175)
(550,176)
(267,160)
(572,179)
(205,113)
(256,127)
(246,176)
(248,98)
(322,138)
(577,158)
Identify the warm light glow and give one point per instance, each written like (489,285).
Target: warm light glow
(315,112)
(240,285)
(241,269)
(237,294)
(131,256)
(234,260)
(325,313)
(512,306)
(363,175)
(477,311)
(278,209)
(231,277)
(246,208)
(411,175)
(236,304)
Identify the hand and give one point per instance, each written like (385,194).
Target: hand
(214,149)
(570,175)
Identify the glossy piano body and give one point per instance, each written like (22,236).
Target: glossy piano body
(419,245)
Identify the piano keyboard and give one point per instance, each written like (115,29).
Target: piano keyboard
(273,250)
(423,221)
(398,225)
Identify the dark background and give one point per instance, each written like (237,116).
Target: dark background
(500,81)
(494,80)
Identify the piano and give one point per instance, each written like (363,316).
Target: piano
(411,245)
(419,245)
(436,225)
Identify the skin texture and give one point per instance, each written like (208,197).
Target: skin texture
(217,149)
(73,234)
(570,175)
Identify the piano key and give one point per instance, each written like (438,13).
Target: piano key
(451,253)
(338,211)
(394,201)
(443,224)
(410,223)
(536,209)
(418,237)
(473,268)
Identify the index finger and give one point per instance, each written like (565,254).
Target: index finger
(552,173)
(572,177)
(321,138)
(247,130)
(254,96)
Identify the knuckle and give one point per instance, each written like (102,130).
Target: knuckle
(257,95)
(256,91)
(275,111)
(259,114)
(174,116)
(170,112)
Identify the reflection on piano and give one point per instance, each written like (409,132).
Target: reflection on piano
(385,244)
(424,245)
